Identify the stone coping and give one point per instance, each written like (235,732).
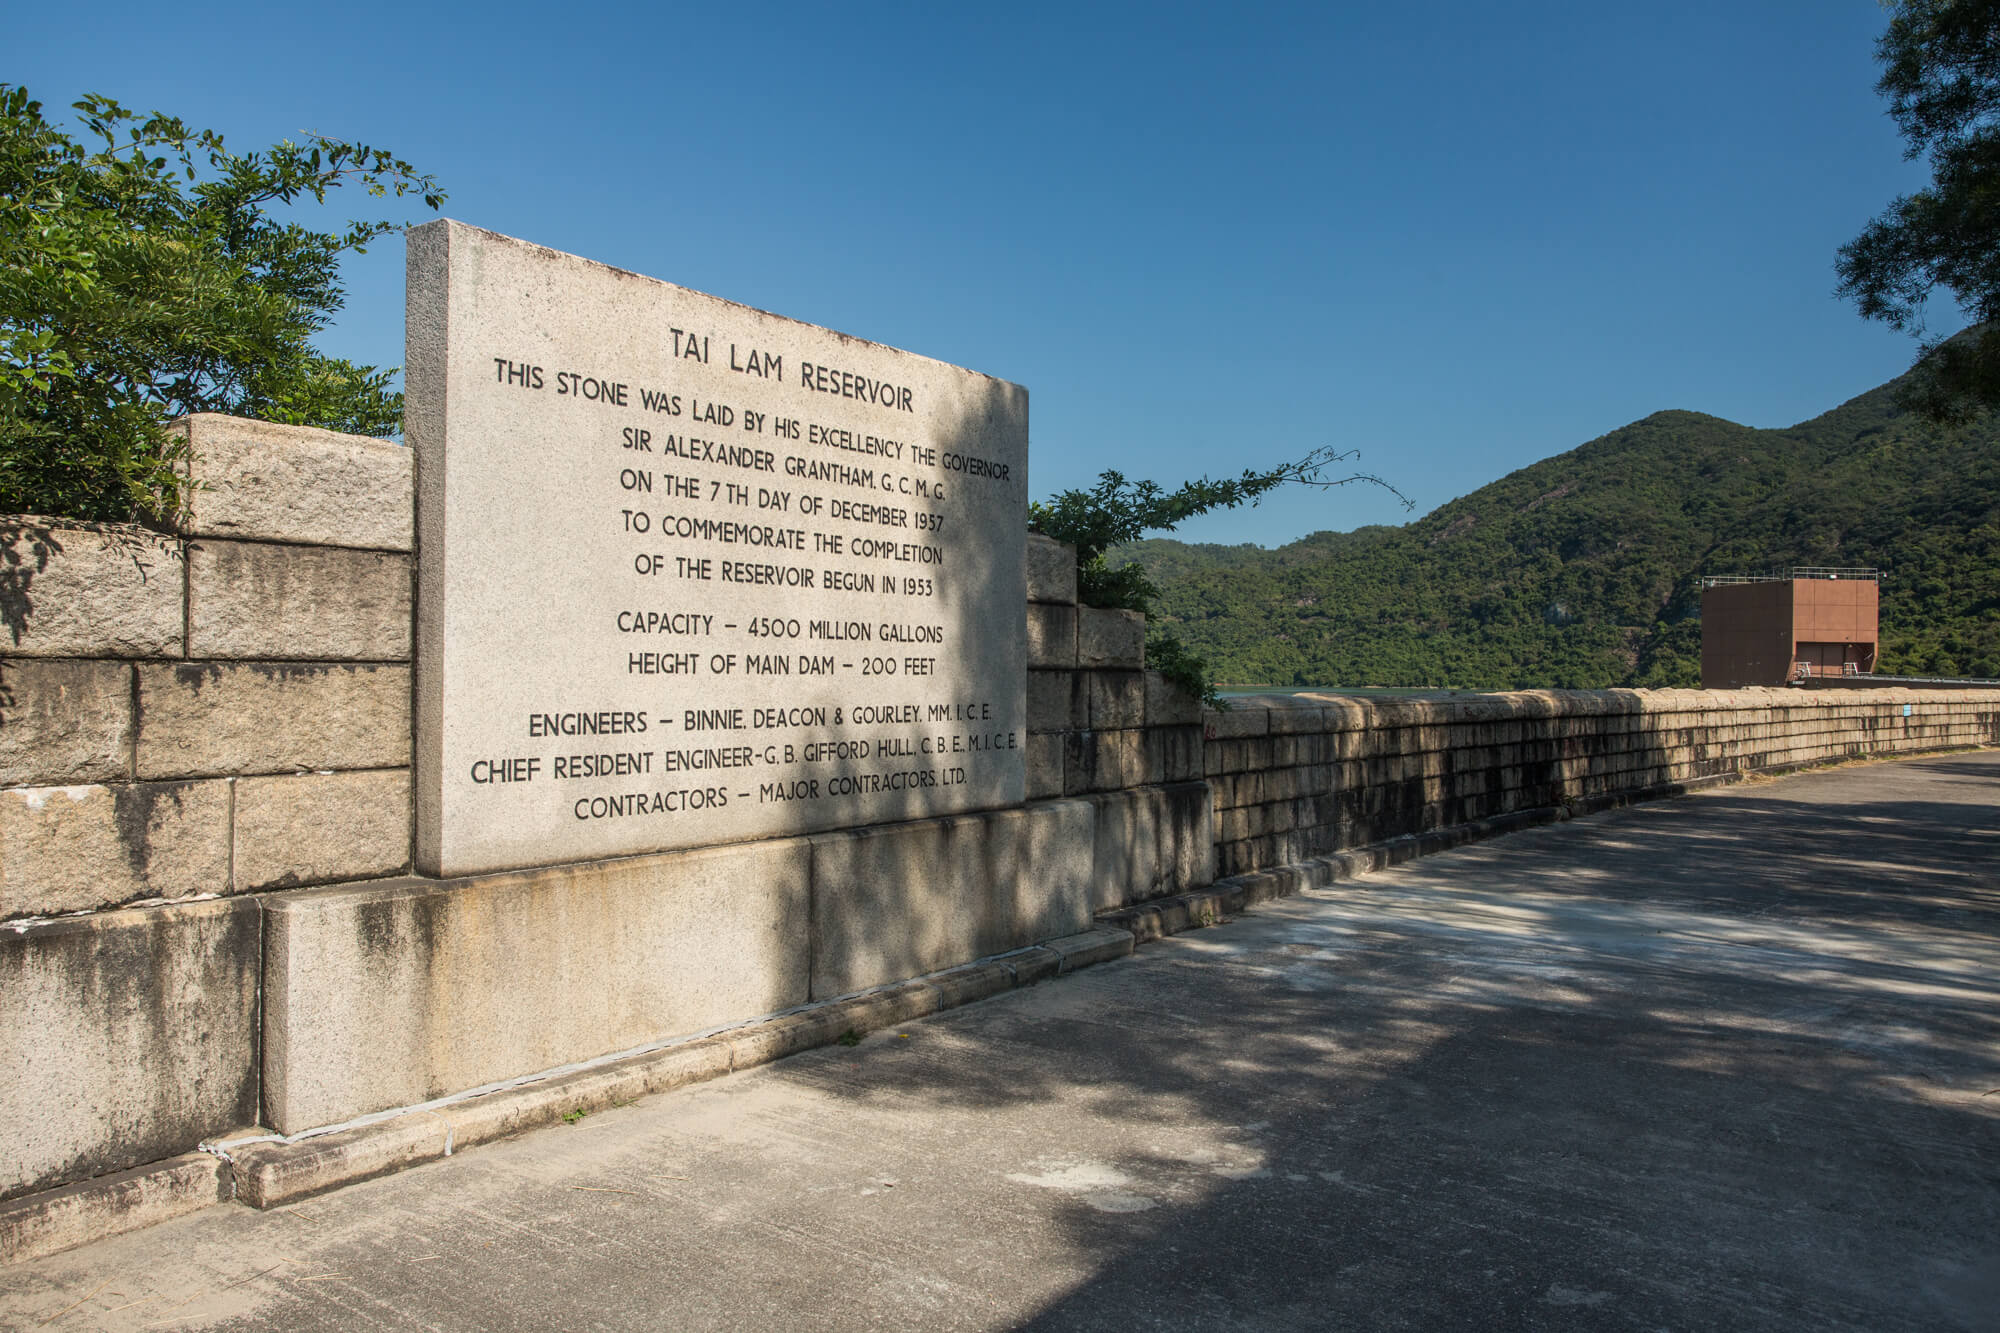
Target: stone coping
(1350,713)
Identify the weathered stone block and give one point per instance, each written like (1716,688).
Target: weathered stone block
(1051,636)
(69,849)
(1173,754)
(1034,965)
(1297,721)
(271,717)
(1045,765)
(272,1174)
(126,1037)
(776,1038)
(257,480)
(1235,723)
(1107,637)
(64,722)
(1170,705)
(1057,701)
(103,591)
(1117,699)
(1249,821)
(1103,760)
(1051,570)
(394,993)
(315,828)
(249,599)
(899,900)
(483,1119)
(970,984)
(1090,947)
(1126,850)
(1150,842)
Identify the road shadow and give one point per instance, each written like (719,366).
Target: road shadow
(1723,1062)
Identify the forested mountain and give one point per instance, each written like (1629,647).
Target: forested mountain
(1584,570)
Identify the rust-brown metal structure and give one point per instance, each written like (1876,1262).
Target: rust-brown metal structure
(1776,629)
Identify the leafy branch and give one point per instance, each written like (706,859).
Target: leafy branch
(1118,510)
(143,277)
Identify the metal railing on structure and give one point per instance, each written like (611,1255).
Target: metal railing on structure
(1807,670)
(1802,572)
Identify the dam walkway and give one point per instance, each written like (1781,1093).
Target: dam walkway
(1727,1061)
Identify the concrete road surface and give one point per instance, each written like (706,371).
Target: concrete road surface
(1727,1062)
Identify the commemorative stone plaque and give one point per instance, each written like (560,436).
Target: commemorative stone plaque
(692,573)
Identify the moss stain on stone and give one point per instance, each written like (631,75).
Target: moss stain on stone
(135,807)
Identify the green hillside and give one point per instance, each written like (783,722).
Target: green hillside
(1583,571)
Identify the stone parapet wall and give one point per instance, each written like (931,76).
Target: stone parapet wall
(1296,777)
(206,819)
(1101,725)
(206,915)
(217,711)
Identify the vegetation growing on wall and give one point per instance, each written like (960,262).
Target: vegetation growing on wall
(1117,511)
(143,275)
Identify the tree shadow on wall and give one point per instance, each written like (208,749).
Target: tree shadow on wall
(25,548)
(981,606)
(28,545)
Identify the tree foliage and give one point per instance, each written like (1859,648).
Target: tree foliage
(143,275)
(1117,511)
(1583,571)
(1941,74)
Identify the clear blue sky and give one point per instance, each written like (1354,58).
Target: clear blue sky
(1460,236)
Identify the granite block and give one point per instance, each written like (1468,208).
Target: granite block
(100,591)
(1107,637)
(70,849)
(317,828)
(388,994)
(263,601)
(266,482)
(200,718)
(1051,570)
(126,1037)
(64,722)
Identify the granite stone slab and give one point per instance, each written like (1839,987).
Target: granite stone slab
(126,1036)
(396,992)
(695,573)
(261,480)
(100,591)
(64,721)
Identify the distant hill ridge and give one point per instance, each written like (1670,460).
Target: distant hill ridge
(1583,570)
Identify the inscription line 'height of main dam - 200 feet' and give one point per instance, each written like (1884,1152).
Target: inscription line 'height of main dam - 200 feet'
(692,573)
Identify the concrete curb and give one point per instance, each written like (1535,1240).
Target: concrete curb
(269,1173)
(71,1215)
